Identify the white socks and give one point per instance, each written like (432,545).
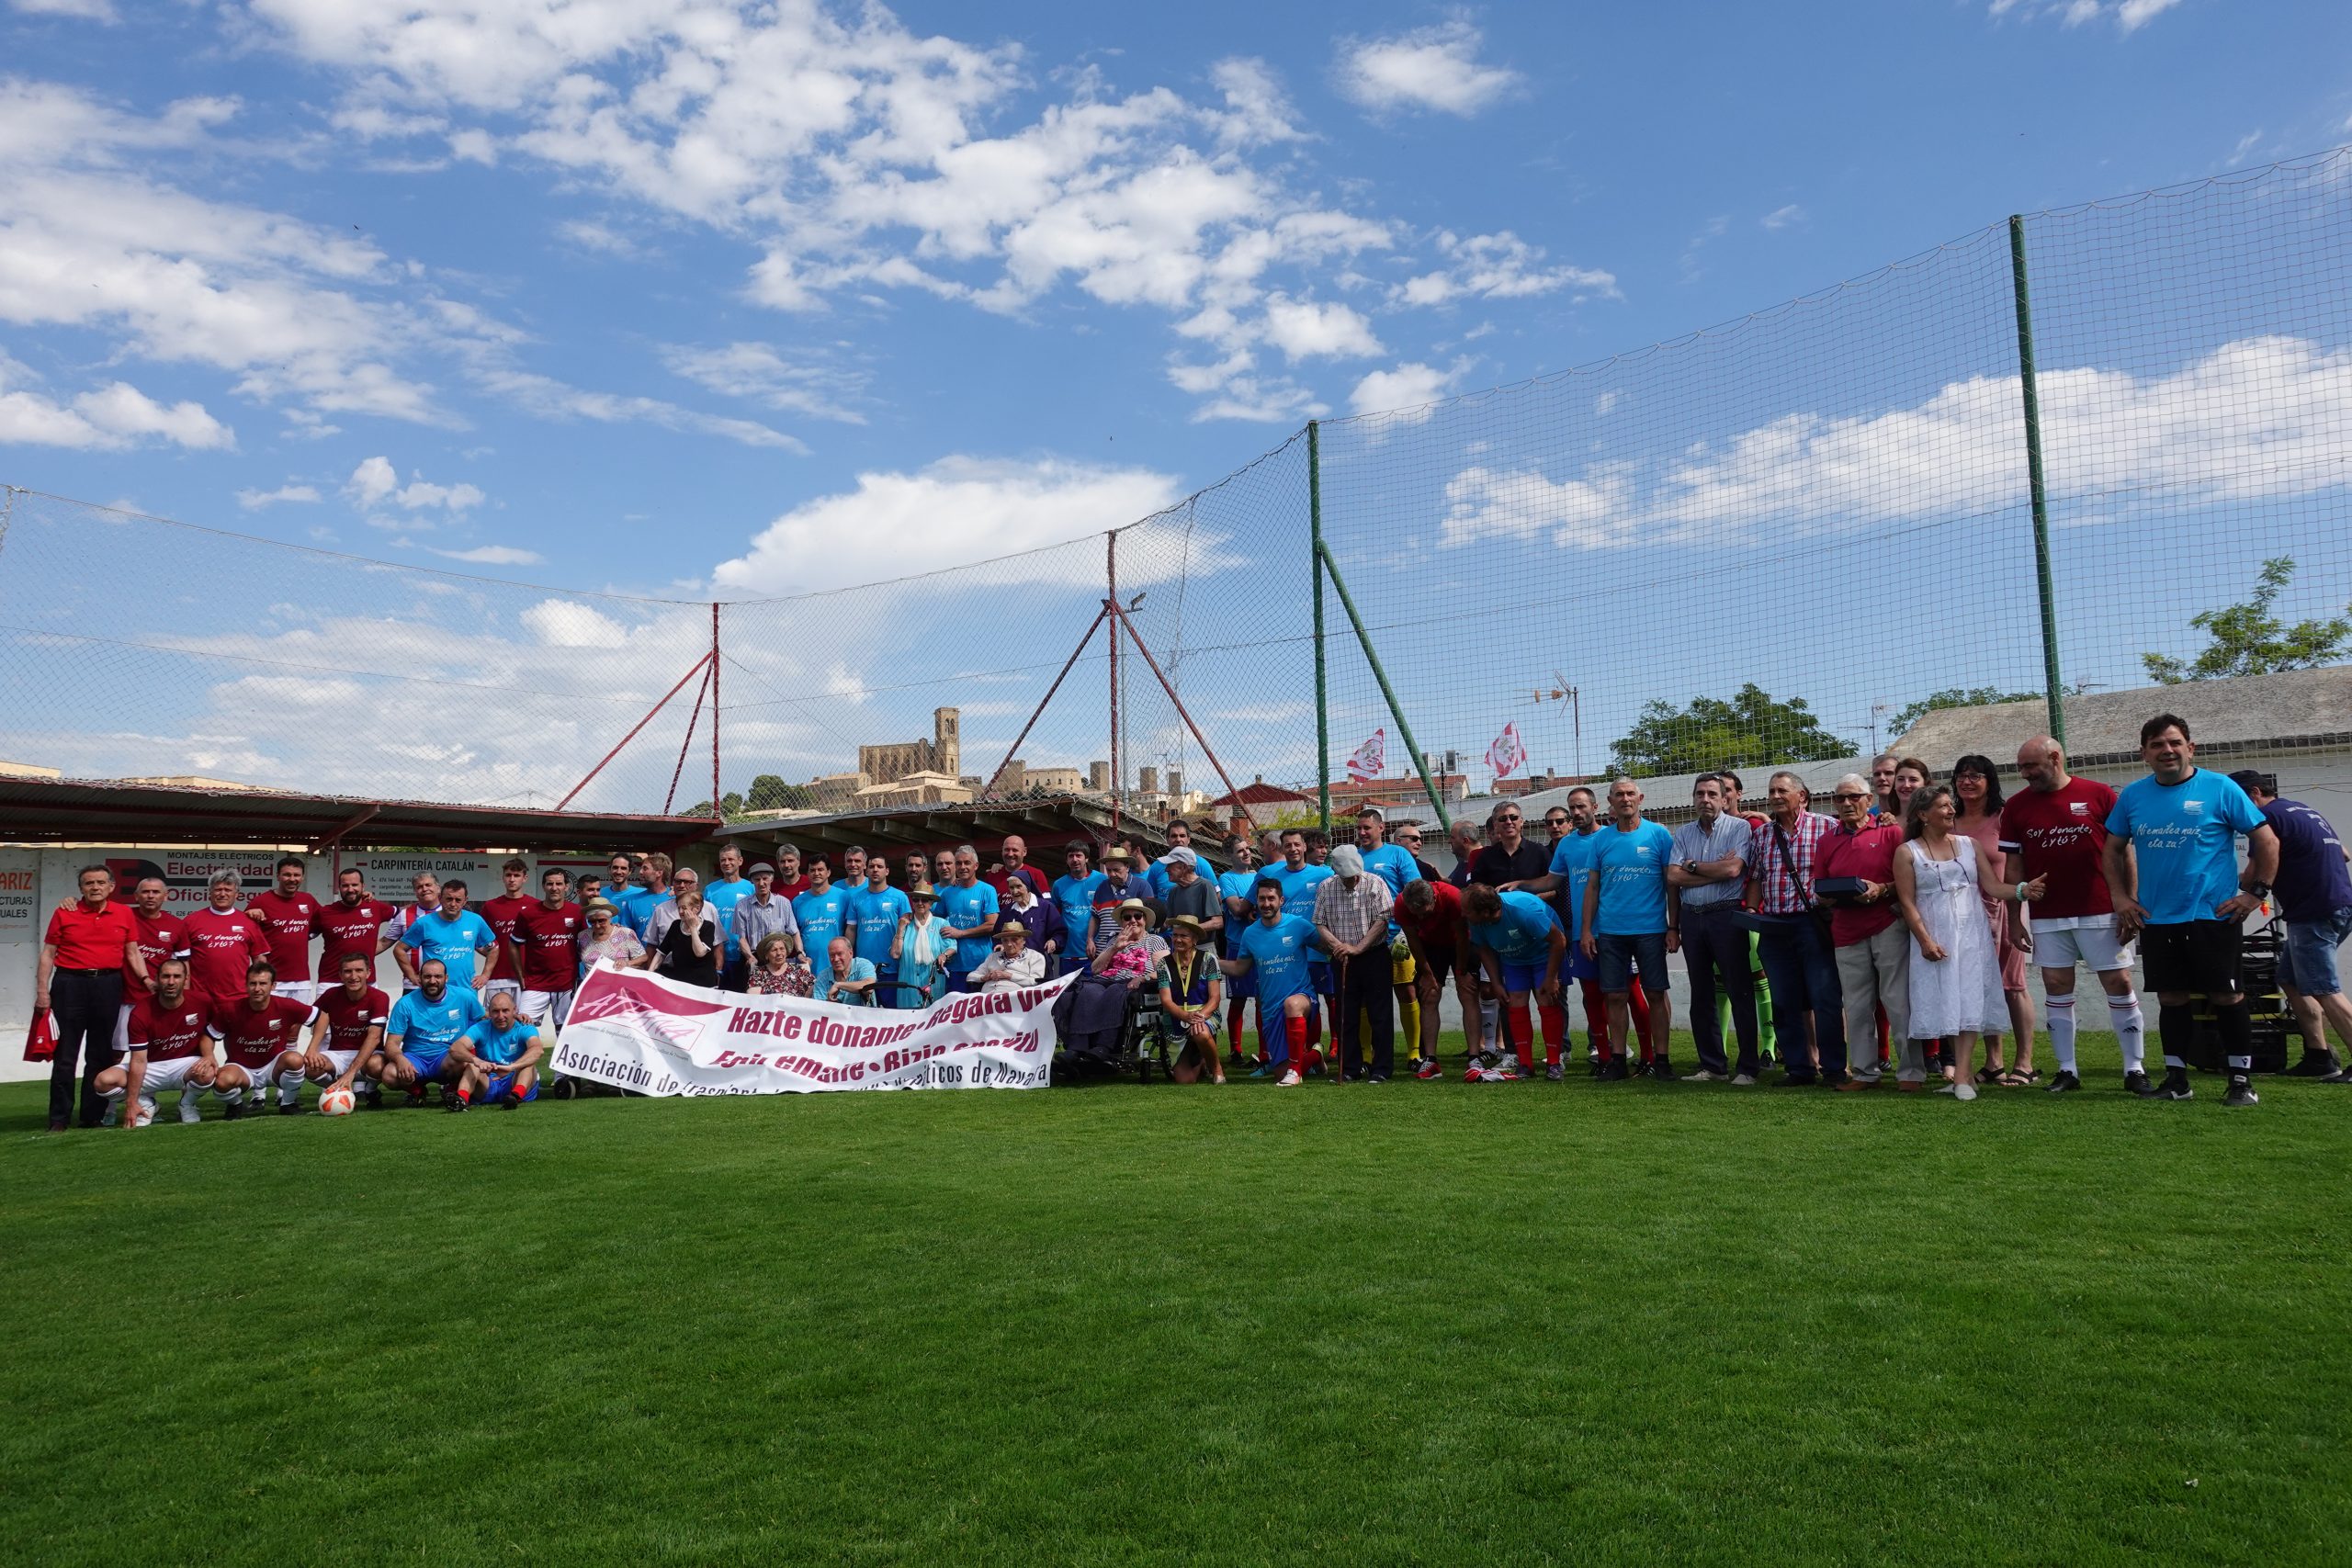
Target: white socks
(2058,1014)
(2131,1029)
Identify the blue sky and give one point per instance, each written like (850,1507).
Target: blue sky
(649,297)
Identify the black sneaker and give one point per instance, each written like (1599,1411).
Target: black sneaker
(1555,1072)
(373,1099)
(1377,1077)
(289,1107)
(509,1101)
(453,1103)
(2241,1093)
(2137,1083)
(233,1112)
(2067,1083)
(1613,1071)
(2175,1085)
(2317,1065)
(1799,1080)
(1662,1070)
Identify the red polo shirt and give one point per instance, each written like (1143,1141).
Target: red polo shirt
(1869,854)
(1435,929)
(91,940)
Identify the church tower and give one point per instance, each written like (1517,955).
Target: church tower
(945,742)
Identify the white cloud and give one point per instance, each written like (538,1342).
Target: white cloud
(2133,14)
(758,371)
(107,418)
(1261,401)
(1404,393)
(2129,15)
(1304,329)
(2259,418)
(598,237)
(551,398)
(1782,217)
(419,495)
(494,555)
(953,511)
(566,623)
(1256,109)
(1496,266)
(371,482)
(254,500)
(88,10)
(1427,68)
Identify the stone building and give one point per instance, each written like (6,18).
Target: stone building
(943,753)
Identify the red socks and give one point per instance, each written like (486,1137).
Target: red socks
(1295,1030)
(1639,1006)
(1596,1018)
(1522,1033)
(1555,1032)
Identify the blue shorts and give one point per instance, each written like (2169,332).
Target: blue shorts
(1620,955)
(1326,985)
(501,1085)
(2307,958)
(426,1062)
(1578,967)
(1522,976)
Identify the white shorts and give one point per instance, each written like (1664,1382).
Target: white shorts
(162,1076)
(342,1060)
(303,991)
(548,1008)
(512,987)
(264,1076)
(2057,946)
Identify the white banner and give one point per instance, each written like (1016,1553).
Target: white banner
(640,1031)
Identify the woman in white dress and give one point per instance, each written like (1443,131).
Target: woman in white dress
(1955,968)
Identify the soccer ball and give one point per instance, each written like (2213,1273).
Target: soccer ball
(335,1102)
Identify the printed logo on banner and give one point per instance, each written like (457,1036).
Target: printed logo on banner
(660,1014)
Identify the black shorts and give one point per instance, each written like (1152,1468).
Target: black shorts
(1439,965)
(2193,955)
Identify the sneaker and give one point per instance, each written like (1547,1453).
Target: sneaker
(1964,1090)
(416,1097)
(113,1115)
(1506,1073)
(1555,1073)
(1614,1071)
(453,1103)
(1742,1080)
(2137,1083)
(1956,1087)
(2064,1083)
(289,1107)
(1377,1077)
(1855,1086)
(1661,1070)
(2175,1085)
(233,1112)
(1702,1076)
(2241,1093)
(190,1109)
(2317,1065)
(509,1101)
(373,1099)
(1799,1080)
(2343,1074)
(1289,1079)
(1263,1072)
(1428,1069)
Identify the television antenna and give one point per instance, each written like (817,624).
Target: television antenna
(1560,691)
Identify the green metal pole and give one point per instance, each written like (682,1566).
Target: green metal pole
(1315,560)
(2053,688)
(1395,709)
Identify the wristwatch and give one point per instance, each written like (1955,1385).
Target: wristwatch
(2260,889)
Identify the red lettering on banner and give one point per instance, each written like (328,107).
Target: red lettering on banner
(791,1030)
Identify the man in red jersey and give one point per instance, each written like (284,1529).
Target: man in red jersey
(348,1029)
(80,980)
(2056,827)
(501,912)
(353,924)
(261,1037)
(544,949)
(287,916)
(1430,914)
(223,944)
(168,1049)
(161,936)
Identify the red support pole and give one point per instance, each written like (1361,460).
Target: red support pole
(1068,664)
(1166,685)
(1111,606)
(687,744)
(715,810)
(697,668)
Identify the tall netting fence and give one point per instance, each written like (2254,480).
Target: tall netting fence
(1791,537)
(1785,539)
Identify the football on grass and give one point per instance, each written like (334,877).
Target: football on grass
(335,1102)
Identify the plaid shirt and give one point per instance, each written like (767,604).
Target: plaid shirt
(1782,895)
(1351,914)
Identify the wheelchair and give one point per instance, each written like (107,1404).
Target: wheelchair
(1115,1036)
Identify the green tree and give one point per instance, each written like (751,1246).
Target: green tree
(1753,729)
(1958,697)
(2247,639)
(769,793)
(729,805)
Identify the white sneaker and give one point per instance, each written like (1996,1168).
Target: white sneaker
(1742,1080)
(1288,1080)
(1963,1091)
(1702,1076)
(142,1113)
(191,1109)
(1956,1087)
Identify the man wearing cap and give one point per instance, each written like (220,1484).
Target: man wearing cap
(1351,916)
(1188,892)
(1159,876)
(1073,894)
(765,913)
(2314,897)
(1013,964)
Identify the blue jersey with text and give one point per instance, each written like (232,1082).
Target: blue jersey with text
(875,917)
(1524,934)
(500,1046)
(1280,952)
(454,942)
(1241,885)
(2184,837)
(964,907)
(432,1027)
(1572,860)
(1632,867)
(823,916)
(722,896)
(1074,895)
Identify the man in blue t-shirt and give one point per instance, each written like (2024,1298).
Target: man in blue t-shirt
(1627,923)
(970,909)
(454,934)
(497,1058)
(821,914)
(1299,881)
(1518,942)
(1238,889)
(872,916)
(2171,837)
(1073,894)
(1274,952)
(725,890)
(2314,897)
(423,1026)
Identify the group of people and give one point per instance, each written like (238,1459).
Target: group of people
(1891,936)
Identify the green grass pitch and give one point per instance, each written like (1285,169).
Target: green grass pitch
(1410,1322)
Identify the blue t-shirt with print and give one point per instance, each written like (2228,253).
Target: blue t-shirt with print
(963,907)
(1572,864)
(2184,837)
(454,942)
(431,1028)
(823,916)
(1280,952)
(1631,868)
(873,916)
(1522,934)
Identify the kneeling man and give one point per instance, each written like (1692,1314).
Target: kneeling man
(423,1027)
(497,1059)
(348,1030)
(261,1038)
(167,1047)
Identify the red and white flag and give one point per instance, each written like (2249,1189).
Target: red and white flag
(1507,756)
(1370,759)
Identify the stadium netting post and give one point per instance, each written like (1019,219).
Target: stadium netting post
(1388,693)
(2032,394)
(1315,556)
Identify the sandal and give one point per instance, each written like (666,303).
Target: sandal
(2016,1080)
(1991,1074)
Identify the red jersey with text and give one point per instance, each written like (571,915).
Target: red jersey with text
(349,1017)
(167,1033)
(351,928)
(550,941)
(220,943)
(255,1039)
(501,913)
(287,920)
(2062,834)
(161,937)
